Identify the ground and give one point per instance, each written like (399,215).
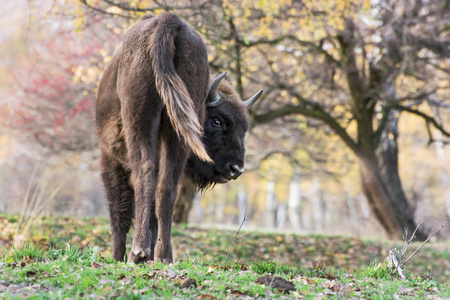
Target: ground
(69,257)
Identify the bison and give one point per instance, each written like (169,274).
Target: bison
(158,116)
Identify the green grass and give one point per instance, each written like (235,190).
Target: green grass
(70,258)
(269,266)
(26,251)
(375,270)
(82,273)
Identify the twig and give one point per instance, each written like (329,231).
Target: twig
(405,247)
(414,233)
(417,250)
(235,237)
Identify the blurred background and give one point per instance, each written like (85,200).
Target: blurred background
(350,136)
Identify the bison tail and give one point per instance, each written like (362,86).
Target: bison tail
(171,88)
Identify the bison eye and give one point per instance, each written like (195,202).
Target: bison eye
(217,123)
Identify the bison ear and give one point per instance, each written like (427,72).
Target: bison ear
(253,99)
(213,96)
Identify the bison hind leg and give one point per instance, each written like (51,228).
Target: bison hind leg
(120,196)
(153,232)
(173,157)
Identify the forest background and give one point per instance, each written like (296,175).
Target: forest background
(350,136)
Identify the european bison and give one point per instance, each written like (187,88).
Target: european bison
(156,117)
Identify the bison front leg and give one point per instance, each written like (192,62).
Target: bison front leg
(121,203)
(173,158)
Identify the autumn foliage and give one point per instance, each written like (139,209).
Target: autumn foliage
(346,84)
(52,92)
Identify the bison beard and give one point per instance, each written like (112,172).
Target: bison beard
(156,117)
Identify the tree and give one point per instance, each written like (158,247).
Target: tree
(50,91)
(354,67)
(410,48)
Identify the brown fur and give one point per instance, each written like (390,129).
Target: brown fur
(150,115)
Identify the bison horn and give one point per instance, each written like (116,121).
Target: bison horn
(213,96)
(253,99)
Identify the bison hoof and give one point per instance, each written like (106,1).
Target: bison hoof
(166,261)
(138,256)
(163,253)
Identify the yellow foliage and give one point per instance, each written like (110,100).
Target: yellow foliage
(86,75)
(114,10)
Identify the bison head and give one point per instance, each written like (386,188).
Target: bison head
(224,132)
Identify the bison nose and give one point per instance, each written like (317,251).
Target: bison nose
(236,171)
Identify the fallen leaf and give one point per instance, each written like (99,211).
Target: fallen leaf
(171,272)
(149,276)
(141,291)
(329,284)
(210,270)
(327,276)
(104,281)
(276,282)
(25,261)
(239,293)
(30,274)
(206,296)
(189,282)
(122,276)
(154,285)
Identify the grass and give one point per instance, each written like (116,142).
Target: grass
(70,258)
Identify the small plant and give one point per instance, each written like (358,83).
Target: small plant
(376,270)
(73,254)
(268,266)
(27,250)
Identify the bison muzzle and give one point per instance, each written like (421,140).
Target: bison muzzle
(158,116)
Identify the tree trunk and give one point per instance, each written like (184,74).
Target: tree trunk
(382,185)
(294,200)
(281,215)
(353,215)
(184,201)
(383,204)
(242,204)
(444,174)
(317,206)
(271,204)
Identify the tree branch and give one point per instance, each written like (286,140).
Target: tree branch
(426,117)
(393,102)
(159,5)
(237,52)
(293,38)
(103,11)
(316,112)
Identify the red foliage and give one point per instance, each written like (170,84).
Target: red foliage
(45,94)
(43,104)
